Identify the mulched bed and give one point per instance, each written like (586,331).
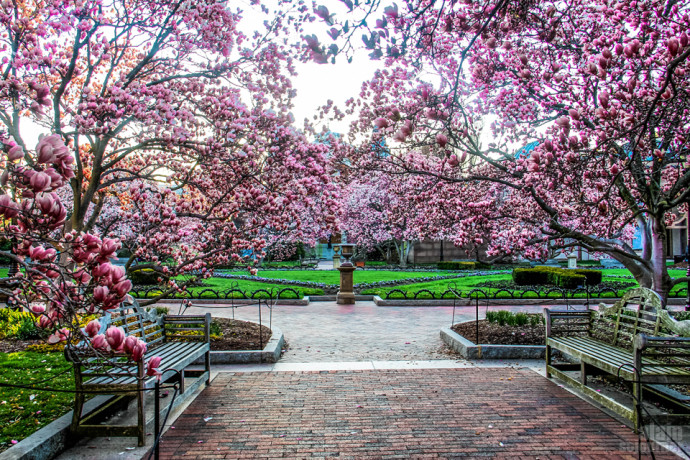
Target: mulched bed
(237,335)
(493,333)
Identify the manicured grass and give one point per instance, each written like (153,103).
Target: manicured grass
(223,284)
(440,286)
(282,263)
(468,283)
(333,276)
(24,411)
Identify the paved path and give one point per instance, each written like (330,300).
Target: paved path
(431,413)
(326,331)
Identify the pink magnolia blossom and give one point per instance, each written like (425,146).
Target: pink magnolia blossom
(152,367)
(115,337)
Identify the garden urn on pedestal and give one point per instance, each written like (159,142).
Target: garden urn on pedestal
(346,295)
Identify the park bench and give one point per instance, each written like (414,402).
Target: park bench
(309,262)
(178,340)
(635,339)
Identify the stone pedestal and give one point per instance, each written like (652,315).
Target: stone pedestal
(346,295)
(336,261)
(572,261)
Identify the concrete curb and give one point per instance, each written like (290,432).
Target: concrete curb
(471,350)
(270,353)
(302,301)
(333,298)
(497,302)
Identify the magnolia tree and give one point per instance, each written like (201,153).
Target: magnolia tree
(176,123)
(377,212)
(601,86)
(64,277)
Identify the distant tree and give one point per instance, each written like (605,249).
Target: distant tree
(602,86)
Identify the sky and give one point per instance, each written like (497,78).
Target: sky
(317,83)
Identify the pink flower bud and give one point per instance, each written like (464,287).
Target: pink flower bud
(574,114)
(40,181)
(115,336)
(123,287)
(563,122)
(8,207)
(684,40)
(129,344)
(117,273)
(139,350)
(99,342)
(37,309)
(673,46)
(441,139)
(15,153)
(604,99)
(100,293)
(92,328)
(381,123)
(101,270)
(453,160)
(152,366)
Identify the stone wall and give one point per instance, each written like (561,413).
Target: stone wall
(429,251)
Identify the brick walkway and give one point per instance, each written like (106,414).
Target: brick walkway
(327,332)
(491,412)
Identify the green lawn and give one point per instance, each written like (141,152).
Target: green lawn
(223,284)
(468,283)
(333,276)
(23,411)
(282,263)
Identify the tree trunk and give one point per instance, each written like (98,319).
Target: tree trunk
(661,281)
(653,274)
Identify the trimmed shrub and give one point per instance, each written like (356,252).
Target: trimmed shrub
(145,277)
(594,277)
(555,276)
(530,276)
(462,265)
(569,280)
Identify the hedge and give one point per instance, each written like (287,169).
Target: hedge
(556,276)
(593,276)
(462,265)
(145,277)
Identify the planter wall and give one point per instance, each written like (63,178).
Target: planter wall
(471,350)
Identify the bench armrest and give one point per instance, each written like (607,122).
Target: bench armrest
(565,315)
(178,327)
(644,341)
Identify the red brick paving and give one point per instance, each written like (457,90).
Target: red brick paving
(425,413)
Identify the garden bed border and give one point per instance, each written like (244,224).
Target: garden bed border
(470,350)
(269,354)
